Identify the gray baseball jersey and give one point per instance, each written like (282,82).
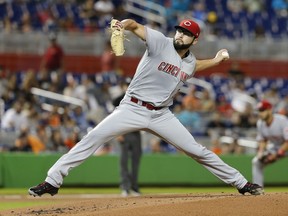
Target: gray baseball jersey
(161,71)
(160,74)
(276,133)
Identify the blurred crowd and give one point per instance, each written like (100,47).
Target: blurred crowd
(50,110)
(225,18)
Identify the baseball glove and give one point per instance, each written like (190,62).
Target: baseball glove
(117,37)
(268,158)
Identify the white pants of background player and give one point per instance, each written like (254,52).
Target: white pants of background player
(257,171)
(130,116)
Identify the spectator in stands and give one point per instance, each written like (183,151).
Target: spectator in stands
(25,25)
(207,104)
(46,18)
(216,128)
(79,116)
(81,90)
(14,119)
(105,10)
(174,9)
(26,141)
(21,144)
(72,138)
(96,101)
(189,115)
(7,25)
(68,123)
(89,16)
(54,118)
(280,7)
(223,106)
(57,142)
(70,85)
(35,142)
(8,98)
(180,5)
(259,32)
(235,72)
(191,120)
(235,6)
(282,106)
(212,26)
(199,11)
(67,24)
(242,126)
(12,90)
(52,60)
(33,115)
(109,65)
(243,120)
(29,81)
(120,11)
(272,95)
(253,6)
(190,101)
(43,134)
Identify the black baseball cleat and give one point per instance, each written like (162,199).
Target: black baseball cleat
(251,188)
(43,188)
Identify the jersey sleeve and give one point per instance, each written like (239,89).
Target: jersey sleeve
(259,136)
(155,41)
(285,129)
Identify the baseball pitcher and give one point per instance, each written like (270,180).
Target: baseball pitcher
(165,66)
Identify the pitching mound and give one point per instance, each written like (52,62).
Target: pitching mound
(158,205)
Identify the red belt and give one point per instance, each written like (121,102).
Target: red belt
(145,104)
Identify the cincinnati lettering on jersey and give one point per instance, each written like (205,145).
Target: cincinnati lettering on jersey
(173,70)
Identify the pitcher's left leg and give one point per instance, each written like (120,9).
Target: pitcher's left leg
(170,129)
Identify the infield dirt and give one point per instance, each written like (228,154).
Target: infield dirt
(201,204)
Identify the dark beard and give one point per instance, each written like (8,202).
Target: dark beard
(179,47)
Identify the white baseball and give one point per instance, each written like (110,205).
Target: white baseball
(225,54)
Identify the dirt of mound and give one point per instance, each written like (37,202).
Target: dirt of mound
(167,205)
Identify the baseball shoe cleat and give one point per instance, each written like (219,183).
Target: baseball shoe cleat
(251,188)
(135,193)
(43,188)
(125,193)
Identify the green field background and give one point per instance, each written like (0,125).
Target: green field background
(24,170)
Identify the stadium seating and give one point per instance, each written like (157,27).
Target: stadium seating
(229,24)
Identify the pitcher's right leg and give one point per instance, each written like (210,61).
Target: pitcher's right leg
(121,121)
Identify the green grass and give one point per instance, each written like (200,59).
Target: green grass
(21,204)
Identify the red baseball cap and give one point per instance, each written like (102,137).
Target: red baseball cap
(264,105)
(190,26)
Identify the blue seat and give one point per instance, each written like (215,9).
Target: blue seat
(17,9)
(3,11)
(61,11)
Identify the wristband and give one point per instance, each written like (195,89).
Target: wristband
(280,153)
